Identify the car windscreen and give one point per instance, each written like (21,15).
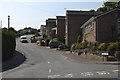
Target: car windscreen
(23,38)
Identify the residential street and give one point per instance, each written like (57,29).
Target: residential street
(42,62)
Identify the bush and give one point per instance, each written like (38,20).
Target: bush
(8,44)
(47,40)
(73,47)
(113,46)
(103,46)
(117,55)
(42,43)
(84,44)
(63,47)
(32,39)
(77,45)
(79,39)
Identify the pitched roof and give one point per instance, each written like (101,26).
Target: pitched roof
(93,18)
(107,12)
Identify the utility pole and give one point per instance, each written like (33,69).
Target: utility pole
(1,24)
(8,21)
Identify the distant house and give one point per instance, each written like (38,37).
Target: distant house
(102,28)
(32,30)
(75,19)
(43,31)
(50,23)
(60,20)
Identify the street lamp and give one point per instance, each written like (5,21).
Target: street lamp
(8,21)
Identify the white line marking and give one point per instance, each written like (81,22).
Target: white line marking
(64,57)
(102,72)
(48,62)
(68,75)
(115,70)
(87,74)
(53,76)
(49,70)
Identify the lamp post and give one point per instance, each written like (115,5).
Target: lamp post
(8,21)
(1,24)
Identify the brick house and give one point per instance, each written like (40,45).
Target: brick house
(60,28)
(43,30)
(104,27)
(75,19)
(50,23)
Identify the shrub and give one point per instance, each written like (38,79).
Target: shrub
(103,46)
(117,55)
(8,44)
(42,43)
(113,46)
(77,45)
(79,39)
(84,44)
(47,40)
(32,39)
(93,46)
(73,46)
(63,47)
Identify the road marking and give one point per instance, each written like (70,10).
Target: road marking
(64,57)
(49,70)
(53,76)
(115,71)
(102,72)
(49,64)
(87,74)
(68,75)
(82,74)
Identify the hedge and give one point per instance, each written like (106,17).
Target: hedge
(8,43)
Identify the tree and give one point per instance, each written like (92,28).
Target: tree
(12,29)
(113,0)
(108,5)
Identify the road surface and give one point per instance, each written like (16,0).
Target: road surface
(43,62)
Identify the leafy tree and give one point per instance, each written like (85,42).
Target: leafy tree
(12,29)
(108,5)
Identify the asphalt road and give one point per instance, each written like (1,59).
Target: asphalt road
(42,62)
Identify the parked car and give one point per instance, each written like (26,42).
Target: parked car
(54,44)
(23,39)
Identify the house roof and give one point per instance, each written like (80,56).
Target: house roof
(93,18)
(90,20)
(81,12)
(107,12)
(60,17)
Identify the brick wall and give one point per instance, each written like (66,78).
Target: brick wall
(50,23)
(74,20)
(61,28)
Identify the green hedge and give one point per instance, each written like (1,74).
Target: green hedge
(8,43)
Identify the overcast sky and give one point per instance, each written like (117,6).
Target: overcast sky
(34,13)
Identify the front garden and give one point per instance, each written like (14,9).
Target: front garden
(97,48)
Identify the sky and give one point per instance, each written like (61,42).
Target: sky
(34,13)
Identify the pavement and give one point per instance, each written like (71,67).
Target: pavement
(42,62)
(15,61)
